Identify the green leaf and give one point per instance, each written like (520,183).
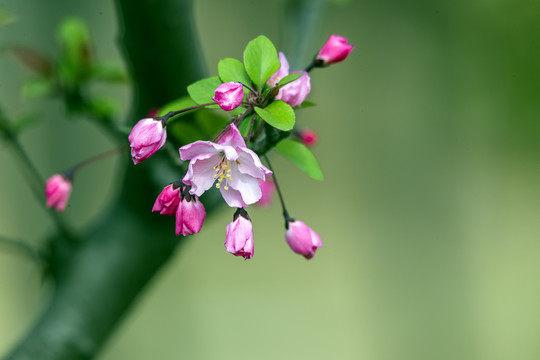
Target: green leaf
(75,39)
(108,73)
(301,156)
(279,114)
(38,88)
(289,78)
(185,131)
(102,108)
(305,105)
(6,18)
(261,60)
(74,65)
(233,70)
(203,90)
(24,121)
(210,122)
(178,104)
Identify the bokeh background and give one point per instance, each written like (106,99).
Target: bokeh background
(429,212)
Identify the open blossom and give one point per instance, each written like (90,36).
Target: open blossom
(268,187)
(335,50)
(239,238)
(294,93)
(302,239)
(229,95)
(57,190)
(168,200)
(190,215)
(147,137)
(236,169)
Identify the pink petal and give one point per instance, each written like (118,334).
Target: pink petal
(295,93)
(233,197)
(281,72)
(247,185)
(200,175)
(250,164)
(267,189)
(233,138)
(189,151)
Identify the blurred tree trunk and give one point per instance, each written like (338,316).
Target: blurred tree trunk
(99,277)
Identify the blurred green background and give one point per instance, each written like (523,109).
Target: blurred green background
(429,213)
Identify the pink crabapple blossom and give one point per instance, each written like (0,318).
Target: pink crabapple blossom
(239,238)
(336,49)
(236,169)
(190,215)
(57,191)
(168,200)
(229,95)
(147,137)
(293,93)
(302,239)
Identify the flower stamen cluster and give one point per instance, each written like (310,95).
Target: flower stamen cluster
(223,173)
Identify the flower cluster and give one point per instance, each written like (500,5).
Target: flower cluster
(263,95)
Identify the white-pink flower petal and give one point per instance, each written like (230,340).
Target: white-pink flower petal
(200,174)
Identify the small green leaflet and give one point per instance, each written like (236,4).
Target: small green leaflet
(261,60)
(203,90)
(289,79)
(305,105)
(279,114)
(301,156)
(230,69)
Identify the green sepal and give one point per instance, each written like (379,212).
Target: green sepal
(301,156)
(108,73)
(279,114)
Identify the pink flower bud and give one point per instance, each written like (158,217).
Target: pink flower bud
(229,95)
(335,50)
(295,93)
(190,215)
(57,190)
(267,189)
(308,137)
(239,238)
(302,239)
(147,137)
(168,200)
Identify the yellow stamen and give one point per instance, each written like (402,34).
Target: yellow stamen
(223,173)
